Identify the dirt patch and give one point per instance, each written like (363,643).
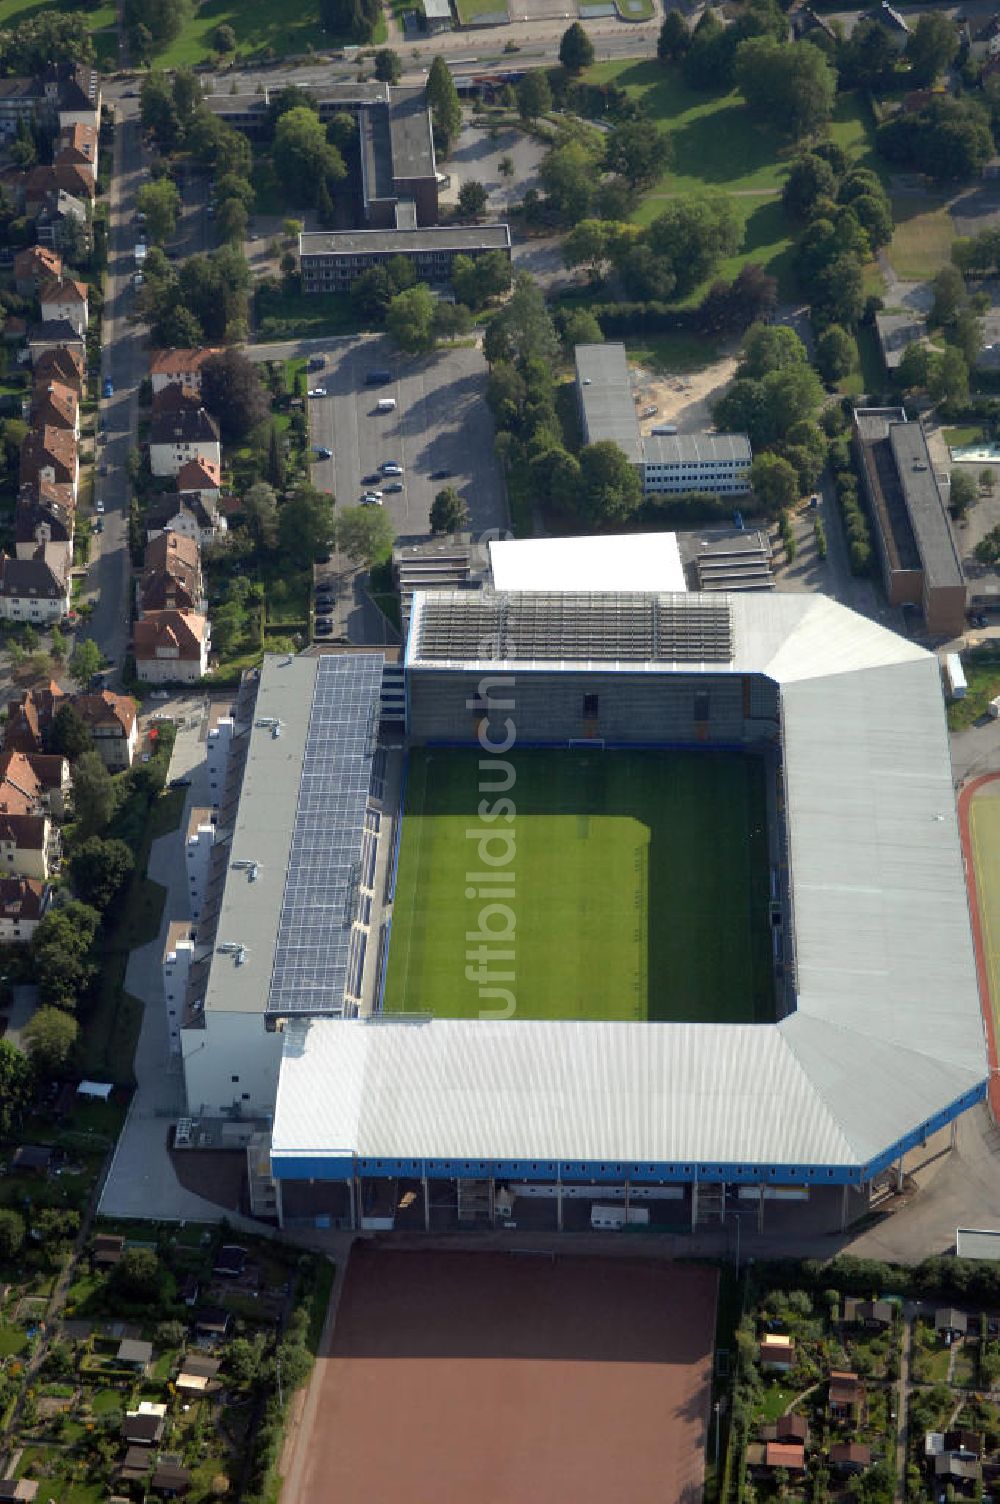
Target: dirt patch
(512,1379)
(685,401)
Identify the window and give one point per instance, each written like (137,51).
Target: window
(245,1096)
(590,707)
(234,1080)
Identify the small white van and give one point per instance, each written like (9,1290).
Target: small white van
(385,405)
(664,430)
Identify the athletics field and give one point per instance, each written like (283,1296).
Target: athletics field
(640,886)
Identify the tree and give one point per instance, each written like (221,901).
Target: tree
(476,282)
(364,534)
(157,110)
(450,320)
(576,50)
(49,1037)
(224,38)
(790,86)
(611,488)
(305,525)
(99,870)
(160,202)
(835,353)
(638,150)
(569,174)
(231,220)
(85,661)
(232,391)
(963,494)
(771,347)
(472,199)
(674,39)
(948,377)
(274,469)
(303,158)
(70,734)
(810,179)
(243,1360)
(446,109)
(93,794)
(522,329)
(775,483)
(61,953)
(534,97)
(260,508)
(138,1275)
(867,60)
(162,18)
(693,234)
(410,319)
(914,366)
(11,1234)
(932,47)
(16,1082)
(580,327)
(449,513)
(948,139)
(388,66)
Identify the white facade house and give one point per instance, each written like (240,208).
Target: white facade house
(716,462)
(65,299)
(201,835)
(23,903)
(36,590)
(182,434)
(171,647)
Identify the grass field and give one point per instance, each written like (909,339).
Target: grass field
(472,10)
(670,354)
(982,675)
(641,887)
(923,239)
(259,26)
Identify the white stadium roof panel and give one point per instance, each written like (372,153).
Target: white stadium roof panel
(626,561)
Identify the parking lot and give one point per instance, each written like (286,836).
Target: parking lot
(440,424)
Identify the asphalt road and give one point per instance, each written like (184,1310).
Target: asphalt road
(123,361)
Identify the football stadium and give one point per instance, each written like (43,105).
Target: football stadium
(656,904)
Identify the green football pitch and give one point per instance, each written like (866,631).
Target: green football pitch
(640,887)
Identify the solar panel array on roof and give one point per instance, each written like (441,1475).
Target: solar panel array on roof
(606,627)
(310,959)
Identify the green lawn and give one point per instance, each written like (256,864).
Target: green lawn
(471,10)
(13,1339)
(12,11)
(672,354)
(767,240)
(641,887)
(969,433)
(259,25)
(923,238)
(291,315)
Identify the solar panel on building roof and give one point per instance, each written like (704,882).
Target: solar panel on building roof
(310,959)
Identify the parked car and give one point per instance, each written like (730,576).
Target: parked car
(372,499)
(441,474)
(324,629)
(392,467)
(180,783)
(317,391)
(99,508)
(323,453)
(160,694)
(109,388)
(99,525)
(317,362)
(394,485)
(371,480)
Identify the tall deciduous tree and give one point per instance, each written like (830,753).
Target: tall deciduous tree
(576,50)
(611,488)
(364,534)
(449,513)
(85,661)
(534,97)
(791,86)
(231,390)
(49,1037)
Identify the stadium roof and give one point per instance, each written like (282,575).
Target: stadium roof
(977,1243)
(281,938)
(625,561)
(886,1042)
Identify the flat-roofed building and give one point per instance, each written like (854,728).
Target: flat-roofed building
(331,261)
(913,537)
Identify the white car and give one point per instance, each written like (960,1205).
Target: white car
(99,508)
(317,391)
(372,499)
(391,468)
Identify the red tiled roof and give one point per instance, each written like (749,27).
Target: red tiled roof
(178,362)
(183,630)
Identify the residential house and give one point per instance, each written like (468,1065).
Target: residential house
(791,1428)
(74,91)
(18,1490)
(963,1474)
(174,399)
(850,1456)
(29,845)
(19,100)
(77,146)
(64,365)
(136,1464)
(171,646)
(984,39)
(58,209)
(50,454)
(23,903)
(106,1250)
(201,1365)
(65,298)
(176,437)
(212,1324)
(44,514)
(187,515)
(229,1261)
(963,1443)
(171,579)
(114,726)
(845,1396)
(777,1352)
(875,1315)
(35,590)
(179,368)
(200,479)
(170,1478)
(893,23)
(34,266)
(55,405)
(145,1427)
(29,719)
(55,336)
(950,1324)
(32,1159)
(769,1456)
(133,1353)
(32,783)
